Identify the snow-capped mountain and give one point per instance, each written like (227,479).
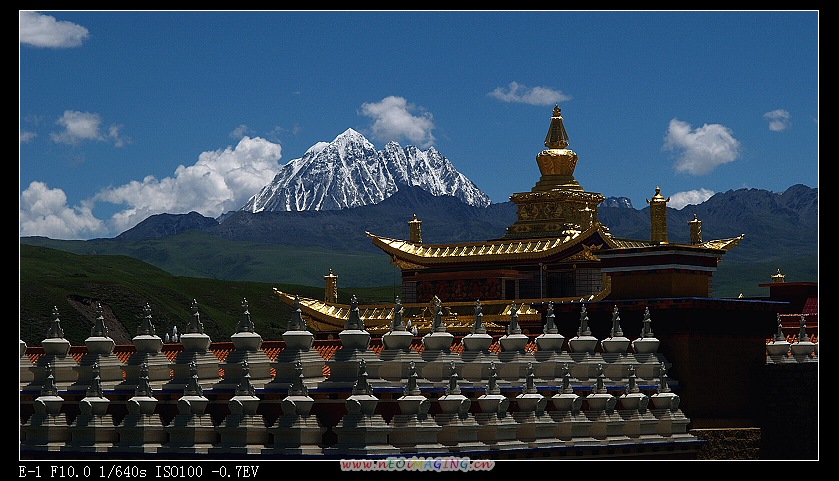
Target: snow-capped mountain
(350,172)
(620,202)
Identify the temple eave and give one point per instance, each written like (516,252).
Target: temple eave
(411,255)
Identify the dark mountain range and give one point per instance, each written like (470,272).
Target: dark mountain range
(445,219)
(164,225)
(781,232)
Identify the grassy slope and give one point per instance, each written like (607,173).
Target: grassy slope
(197,254)
(51,277)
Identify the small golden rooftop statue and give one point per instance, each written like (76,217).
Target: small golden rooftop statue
(778,278)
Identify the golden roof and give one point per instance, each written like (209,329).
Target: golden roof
(458,316)
(498,250)
(718,244)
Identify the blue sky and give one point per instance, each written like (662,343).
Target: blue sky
(128,114)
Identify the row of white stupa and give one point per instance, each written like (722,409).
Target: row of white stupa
(472,402)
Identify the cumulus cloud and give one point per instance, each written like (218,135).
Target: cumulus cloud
(45,31)
(689,197)
(394,119)
(778,120)
(44,212)
(519,93)
(700,151)
(220,181)
(81,126)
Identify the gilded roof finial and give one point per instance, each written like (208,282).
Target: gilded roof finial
(557,137)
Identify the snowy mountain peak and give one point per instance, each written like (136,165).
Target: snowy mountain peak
(350,172)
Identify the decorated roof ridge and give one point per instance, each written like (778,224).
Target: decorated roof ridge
(493,249)
(384,311)
(334,315)
(325,315)
(716,244)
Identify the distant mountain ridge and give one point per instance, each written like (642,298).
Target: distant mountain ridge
(350,172)
(164,225)
(792,214)
(781,231)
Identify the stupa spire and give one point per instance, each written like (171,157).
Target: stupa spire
(557,137)
(55,332)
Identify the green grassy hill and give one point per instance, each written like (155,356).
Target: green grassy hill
(73,283)
(199,254)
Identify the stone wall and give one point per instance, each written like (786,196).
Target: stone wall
(729,443)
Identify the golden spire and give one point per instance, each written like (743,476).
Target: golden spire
(778,278)
(331,291)
(557,137)
(416,230)
(658,217)
(695,230)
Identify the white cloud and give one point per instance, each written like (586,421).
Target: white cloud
(81,126)
(26,136)
(394,120)
(700,151)
(44,212)
(778,120)
(520,93)
(239,131)
(116,138)
(44,31)
(220,181)
(78,126)
(682,199)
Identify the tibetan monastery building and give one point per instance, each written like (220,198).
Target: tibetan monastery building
(558,249)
